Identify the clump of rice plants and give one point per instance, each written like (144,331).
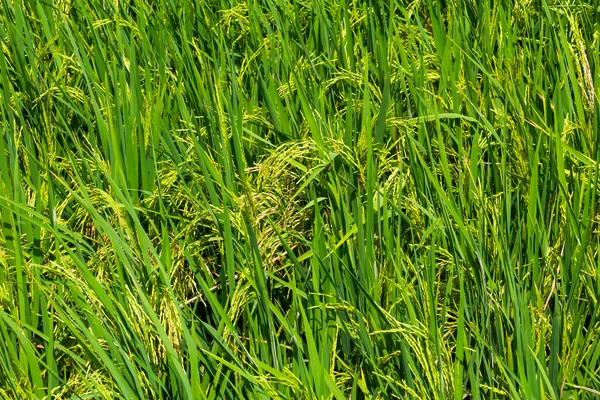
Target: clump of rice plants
(299,199)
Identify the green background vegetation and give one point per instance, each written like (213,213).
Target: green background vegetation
(299,199)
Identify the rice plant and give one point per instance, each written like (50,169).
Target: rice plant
(299,199)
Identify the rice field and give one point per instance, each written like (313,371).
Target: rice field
(299,199)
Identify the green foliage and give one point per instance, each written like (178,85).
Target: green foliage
(299,199)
